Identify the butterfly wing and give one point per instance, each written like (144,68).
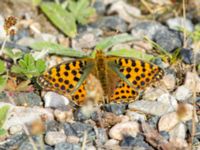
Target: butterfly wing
(68,77)
(123,93)
(136,75)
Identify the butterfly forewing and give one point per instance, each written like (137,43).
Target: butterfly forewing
(138,72)
(64,77)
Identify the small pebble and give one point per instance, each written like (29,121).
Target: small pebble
(169,40)
(120,130)
(125,11)
(26,115)
(178,132)
(182,93)
(176,23)
(110,23)
(169,82)
(151,107)
(3,32)
(99,7)
(79,115)
(112,144)
(63,115)
(78,129)
(146,28)
(101,136)
(117,109)
(52,125)
(67,146)
(15,129)
(73,139)
(153,121)
(21,34)
(165,135)
(189,128)
(85,40)
(135,116)
(53,138)
(168,121)
(55,100)
(27,99)
(14,141)
(168,99)
(187,55)
(192,81)
(152,94)
(137,141)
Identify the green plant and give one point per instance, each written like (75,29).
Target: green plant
(3,78)
(65,18)
(13,54)
(3,115)
(29,67)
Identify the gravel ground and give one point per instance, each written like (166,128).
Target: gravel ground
(162,116)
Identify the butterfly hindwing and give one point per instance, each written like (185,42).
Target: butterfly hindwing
(123,93)
(135,75)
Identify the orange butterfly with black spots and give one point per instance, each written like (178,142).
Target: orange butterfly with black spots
(121,78)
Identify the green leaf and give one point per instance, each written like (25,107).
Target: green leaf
(2,67)
(110,41)
(3,81)
(2,132)
(81,10)
(40,65)
(29,67)
(61,18)
(131,53)
(3,114)
(13,54)
(36,2)
(196,33)
(57,49)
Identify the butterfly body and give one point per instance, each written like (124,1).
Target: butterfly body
(121,78)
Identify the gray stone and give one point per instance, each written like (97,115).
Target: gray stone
(187,55)
(182,93)
(52,125)
(20,34)
(29,99)
(78,129)
(153,121)
(99,7)
(87,39)
(14,141)
(80,116)
(24,99)
(169,40)
(54,137)
(26,146)
(125,11)
(164,134)
(55,100)
(146,28)
(67,146)
(117,109)
(135,142)
(110,23)
(175,23)
(102,135)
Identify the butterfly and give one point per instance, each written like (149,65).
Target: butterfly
(121,78)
